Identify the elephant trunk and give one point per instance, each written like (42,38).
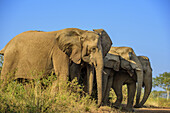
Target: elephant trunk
(148,87)
(98,64)
(139,73)
(139,86)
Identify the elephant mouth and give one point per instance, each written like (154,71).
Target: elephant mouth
(86,58)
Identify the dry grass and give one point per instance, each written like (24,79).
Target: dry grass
(32,97)
(157,102)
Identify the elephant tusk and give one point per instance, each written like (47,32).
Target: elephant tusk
(104,72)
(138,69)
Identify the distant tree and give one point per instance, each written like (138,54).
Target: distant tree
(163,81)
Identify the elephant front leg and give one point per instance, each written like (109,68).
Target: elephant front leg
(131,87)
(108,84)
(61,67)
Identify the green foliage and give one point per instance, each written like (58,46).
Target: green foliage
(162,81)
(33,97)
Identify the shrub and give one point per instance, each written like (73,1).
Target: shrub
(33,97)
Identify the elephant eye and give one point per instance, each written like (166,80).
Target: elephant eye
(93,50)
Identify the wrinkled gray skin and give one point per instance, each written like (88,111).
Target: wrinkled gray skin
(35,51)
(117,59)
(123,76)
(75,69)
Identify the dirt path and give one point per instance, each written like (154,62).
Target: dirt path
(106,109)
(152,110)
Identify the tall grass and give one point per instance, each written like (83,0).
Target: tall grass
(34,97)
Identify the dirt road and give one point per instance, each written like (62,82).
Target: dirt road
(152,110)
(107,109)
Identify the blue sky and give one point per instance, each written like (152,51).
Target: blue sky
(143,25)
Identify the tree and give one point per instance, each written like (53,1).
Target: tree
(163,81)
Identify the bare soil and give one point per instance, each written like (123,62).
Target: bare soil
(106,109)
(152,110)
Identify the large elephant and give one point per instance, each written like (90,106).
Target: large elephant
(88,76)
(121,58)
(36,51)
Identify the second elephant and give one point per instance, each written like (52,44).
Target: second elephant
(115,77)
(121,58)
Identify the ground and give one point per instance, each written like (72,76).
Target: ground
(106,109)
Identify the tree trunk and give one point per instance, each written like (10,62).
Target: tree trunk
(167,91)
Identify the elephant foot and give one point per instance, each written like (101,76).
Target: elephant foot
(106,103)
(127,109)
(116,105)
(137,106)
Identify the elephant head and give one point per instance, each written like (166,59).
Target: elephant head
(130,61)
(105,44)
(147,73)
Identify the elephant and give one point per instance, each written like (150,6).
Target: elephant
(147,79)
(118,59)
(88,70)
(123,77)
(32,52)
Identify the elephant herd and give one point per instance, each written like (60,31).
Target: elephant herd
(73,52)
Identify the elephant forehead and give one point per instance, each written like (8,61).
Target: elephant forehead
(91,43)
(89,35)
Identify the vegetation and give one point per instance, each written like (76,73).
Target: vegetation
(33,97)
(155,100)
(163,81)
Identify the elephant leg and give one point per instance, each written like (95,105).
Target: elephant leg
(9,68)
(118,92)
(109,85)
(119,79)
(61,67)
(75,70)
(131,87)
(117,87)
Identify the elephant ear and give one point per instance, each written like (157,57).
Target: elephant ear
(112,61)
(69,41)
(105,40)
